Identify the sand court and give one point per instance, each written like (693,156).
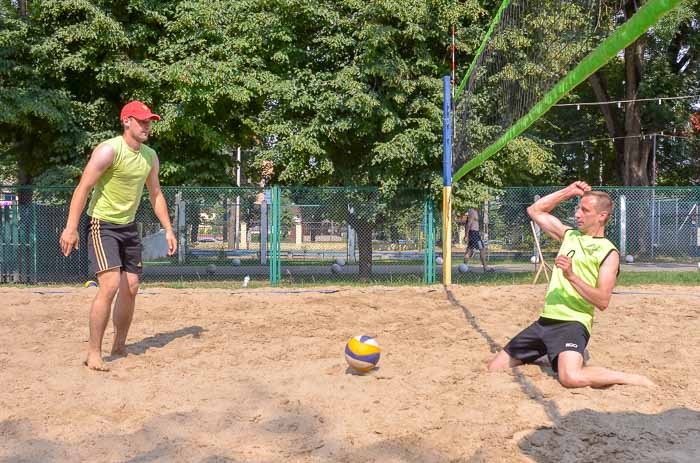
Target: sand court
(218,375)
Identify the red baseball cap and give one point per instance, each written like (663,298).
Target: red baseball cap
(139,111)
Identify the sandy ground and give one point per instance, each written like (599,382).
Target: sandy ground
(259,376)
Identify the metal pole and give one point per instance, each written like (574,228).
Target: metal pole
(623,226)
(237,229)
(447,183)
(654,238)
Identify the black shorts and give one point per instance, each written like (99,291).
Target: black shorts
(113,246)
(547,336)
(474,240)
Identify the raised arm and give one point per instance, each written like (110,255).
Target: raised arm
(540,211)
(100,160)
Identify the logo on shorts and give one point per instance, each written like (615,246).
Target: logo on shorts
(571,344)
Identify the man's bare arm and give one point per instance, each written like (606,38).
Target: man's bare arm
(607,277)
(100,160)
(540,211)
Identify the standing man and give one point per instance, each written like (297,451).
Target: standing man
(116,173)
(474,240)
(586,271)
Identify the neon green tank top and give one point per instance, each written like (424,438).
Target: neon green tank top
(562,301)
(117,193)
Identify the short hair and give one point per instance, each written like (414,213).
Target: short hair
(603,202)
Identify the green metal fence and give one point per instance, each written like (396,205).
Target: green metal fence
(278,235)
(649,225)
(304,235)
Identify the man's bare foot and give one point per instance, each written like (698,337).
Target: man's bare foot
(640,380)
(119,351)
(94,362)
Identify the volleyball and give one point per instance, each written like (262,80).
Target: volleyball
(438,260)
(90,284)
(362,353)
(629,259)
(463,268)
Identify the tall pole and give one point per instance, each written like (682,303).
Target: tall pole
(654,212)
(237,239)
(446,182)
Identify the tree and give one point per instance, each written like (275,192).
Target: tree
(357,97)
(68,67)
(661,63)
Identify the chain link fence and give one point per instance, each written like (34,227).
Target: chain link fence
(276,235)
(305,235)
(649,225)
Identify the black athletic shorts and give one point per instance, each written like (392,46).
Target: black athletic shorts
(547,336)
(113,246)
(474,240)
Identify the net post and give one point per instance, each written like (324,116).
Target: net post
(446,182)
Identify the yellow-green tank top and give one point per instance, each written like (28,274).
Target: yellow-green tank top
(587,253)
(117,194)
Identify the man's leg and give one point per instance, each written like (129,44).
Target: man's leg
(99,316)
(124,310)
(468,254)
(572,373)
(482,256)
(502,361)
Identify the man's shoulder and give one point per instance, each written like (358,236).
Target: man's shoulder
(148,150)
(113,142)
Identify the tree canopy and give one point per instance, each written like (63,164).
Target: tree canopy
(334,92)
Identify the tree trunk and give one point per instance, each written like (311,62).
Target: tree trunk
(633,159)
(636,154)
(364,244)
(24,196)
(22,7)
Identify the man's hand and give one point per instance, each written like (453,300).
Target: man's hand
(564,263)
(69,241)
(172,242)
(579,188)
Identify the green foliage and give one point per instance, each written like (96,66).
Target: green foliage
(357,100)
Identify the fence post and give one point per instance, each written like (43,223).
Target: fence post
(275,208)
(623,226)
(429,244)
(263,229)
(33,244)
(352,237)
(181,224)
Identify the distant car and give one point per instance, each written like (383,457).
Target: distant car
(207,240)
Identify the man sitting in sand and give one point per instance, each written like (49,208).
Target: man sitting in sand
(586,271)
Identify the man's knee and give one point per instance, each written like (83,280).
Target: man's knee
(133,288)
(130,283)
(572,377)
(108,285)
(501,361)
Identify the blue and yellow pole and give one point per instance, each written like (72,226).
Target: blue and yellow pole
(446,182)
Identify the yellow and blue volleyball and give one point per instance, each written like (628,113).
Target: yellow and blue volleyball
(362,353)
